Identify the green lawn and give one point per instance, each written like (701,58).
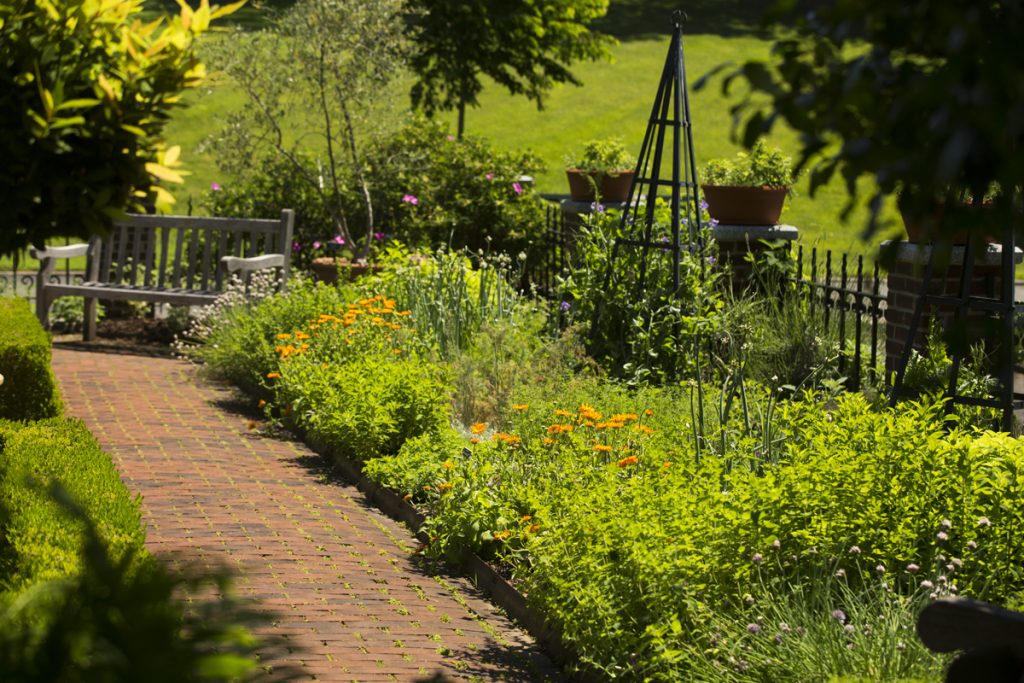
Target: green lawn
(614,100)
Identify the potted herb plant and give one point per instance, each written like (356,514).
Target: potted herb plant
(749,189)
(605,169)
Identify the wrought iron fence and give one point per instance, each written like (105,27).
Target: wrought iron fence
(846,293)
(852,302)
(20,281)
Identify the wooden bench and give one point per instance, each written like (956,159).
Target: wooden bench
(990,638)
(181,260)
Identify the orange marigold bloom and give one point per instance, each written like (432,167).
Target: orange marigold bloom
(624,417)
(479,428)
(559,428)
(521,406)
(525,518)
(548,440)
(502,535)
(648,412)
(562,413)
(407,497)
(643,428)
(534,528)
(667,464)
(396,351)
(301,335)
(448,465)
(284,335)
(261,404)
(601,448)
(444,487)
(631,460)
(510,439)
(474,441)
(273,375)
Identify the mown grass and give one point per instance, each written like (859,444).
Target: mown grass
(614,99)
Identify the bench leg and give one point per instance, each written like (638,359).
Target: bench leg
(89,324)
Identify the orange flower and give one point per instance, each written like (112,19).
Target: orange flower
(510,439)
(273,375)
(525,518)
(534,529)
(444,487)
(502,535)
(252,425)
(648,412)
(521,406)
(626,462)
(643,428)
(261,404)
(601,448)
(667,464)
(284,335)
(396,351)
(407,497)
(562,413)
(448,465)
(548,440)
(558,429)
(479,428)
(474,441)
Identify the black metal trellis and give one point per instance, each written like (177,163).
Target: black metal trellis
(671,111)
(1000,304)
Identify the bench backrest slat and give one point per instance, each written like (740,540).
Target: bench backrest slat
(184,252)
(161,272)
(137,238)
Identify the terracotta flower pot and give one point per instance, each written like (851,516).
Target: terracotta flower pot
(327,269)
(923,229)
(614,187)
(745,205)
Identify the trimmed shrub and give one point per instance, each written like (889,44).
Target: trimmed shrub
(38,540)
(29,390)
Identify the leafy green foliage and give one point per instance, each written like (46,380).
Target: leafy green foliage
(86,92)
(321,73)
(119,617)
(433,190)
(29,390)
(642,332)
(761,167)
(525,48)
(868,88)
(603,156)
(39,541)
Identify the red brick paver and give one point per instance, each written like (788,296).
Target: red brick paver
(350,599)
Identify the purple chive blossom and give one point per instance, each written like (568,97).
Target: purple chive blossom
(880,569)
(753,628)
(784,627)
(849,629)
(776,544)
(972,545)
(703,205)
(517,188)
(757,558)
(296,246)
(839,615)
(215,186)
(840,573)
(565,306)
(984,521)
(854,550)
(913,568)
(410,199)
(927,584)
(942,536)
(946,524)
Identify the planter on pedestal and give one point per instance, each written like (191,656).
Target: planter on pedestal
(329,270)
(745,205)
(613,186)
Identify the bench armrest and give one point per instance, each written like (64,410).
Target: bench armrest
(253,263)
(70,251)
(950,624)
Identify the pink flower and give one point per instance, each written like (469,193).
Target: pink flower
(215,186)
(338,239)
(451,138)
(489,176)
(517,188)
(316,245)
(296,245)
(410,199)
(379,236)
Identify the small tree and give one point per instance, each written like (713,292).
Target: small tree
(85,91)
(314,80)
(527,47)
(927,97)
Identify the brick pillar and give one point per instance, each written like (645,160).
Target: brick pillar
(736,241)
(904,283)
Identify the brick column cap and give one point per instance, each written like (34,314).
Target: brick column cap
(754,233)
(918,254)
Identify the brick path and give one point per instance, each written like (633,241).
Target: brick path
(350,600)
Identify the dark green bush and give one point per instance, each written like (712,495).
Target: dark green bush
(39,541)
(29,390)
(431,189)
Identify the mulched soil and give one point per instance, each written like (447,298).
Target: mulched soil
(144,335)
